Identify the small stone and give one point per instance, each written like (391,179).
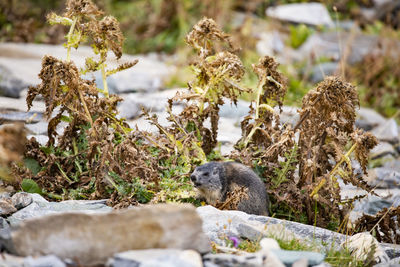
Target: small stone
(6,208)
(253,260)
(269,243)
(300,263)
(45,261)
(289,257)
(383,178)
(158,257)
(320,71)
(14,116)
(10,85)
(360,245)
(368,118)
(382,149)
(387,132)
(307,13)
(21,200)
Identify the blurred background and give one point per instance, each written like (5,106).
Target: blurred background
(355,38)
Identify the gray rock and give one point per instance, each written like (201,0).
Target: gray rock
(308,13)
(270,43)
(45,261)
(3,223)
(41,207)
(392,263)
(7,260)
(382,177)
(24,63)
(360,246)
(13,116)
(290,257)
(392,165)
(289,115)
(368,118)
(373,204)
(229,260)
(387,132)
(6,208)
(158,257)
(41,138)
(320,71)
(232,111)
(39,128)
(21,200)
(132,105)
(92,238)
(382,149)
(10,85)
(216,224)
(20,104)
(327,45)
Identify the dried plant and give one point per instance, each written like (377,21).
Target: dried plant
(384,225)
(217,74)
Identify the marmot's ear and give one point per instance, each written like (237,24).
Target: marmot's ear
(215,171)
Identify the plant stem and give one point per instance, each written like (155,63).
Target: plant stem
(323,181)
(104,78)
(69,35)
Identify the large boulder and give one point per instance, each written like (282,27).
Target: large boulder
(92,238)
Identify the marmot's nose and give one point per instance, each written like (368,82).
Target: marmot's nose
(193,178)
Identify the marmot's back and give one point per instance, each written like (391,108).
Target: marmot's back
(215,179)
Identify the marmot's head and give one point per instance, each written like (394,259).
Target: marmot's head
(207,177)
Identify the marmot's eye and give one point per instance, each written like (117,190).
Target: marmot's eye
(206,173)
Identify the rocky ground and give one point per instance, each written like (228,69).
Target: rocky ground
(78,233)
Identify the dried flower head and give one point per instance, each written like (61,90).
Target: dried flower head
(82,8)
(203,32)
(365,141)
(274,83)
(106,34)
(230,63)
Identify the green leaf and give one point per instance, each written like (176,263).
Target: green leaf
(30,186)
(32,165)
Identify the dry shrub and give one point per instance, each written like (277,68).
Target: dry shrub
(385,225)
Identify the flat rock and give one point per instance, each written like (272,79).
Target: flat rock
(10,85)
(24,63)
(41,207)
(270,43)
(20,104)
(327,45)
(322,70)
(387,132)
(21,200)
(45,261)
(92,238)
(253,260)
(18,116)
(218,224)
(158,257)
(307,13)
(382,177)
(8,260)
(382,149)
(369,118)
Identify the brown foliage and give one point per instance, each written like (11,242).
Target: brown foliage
(385,225)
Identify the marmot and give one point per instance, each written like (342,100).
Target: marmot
(215,179)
